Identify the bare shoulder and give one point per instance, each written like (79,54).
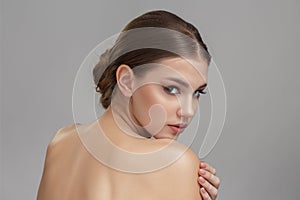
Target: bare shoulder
(182,175)
(189,157)
(62,133)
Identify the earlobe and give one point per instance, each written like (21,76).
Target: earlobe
(125,76)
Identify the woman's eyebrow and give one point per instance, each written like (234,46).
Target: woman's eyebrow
(184,83)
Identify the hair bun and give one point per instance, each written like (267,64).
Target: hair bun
(103,63)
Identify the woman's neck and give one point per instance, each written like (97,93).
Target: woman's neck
(119,119)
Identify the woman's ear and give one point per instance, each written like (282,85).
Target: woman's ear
(125,76)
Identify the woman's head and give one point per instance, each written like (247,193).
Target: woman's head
(164,100)
(139,44)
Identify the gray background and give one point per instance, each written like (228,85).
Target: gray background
(255,44)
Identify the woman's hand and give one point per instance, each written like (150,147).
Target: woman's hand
(209,182)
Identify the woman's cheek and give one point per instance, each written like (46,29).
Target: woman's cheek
(149,96)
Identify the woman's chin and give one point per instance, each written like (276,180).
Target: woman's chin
(166,135)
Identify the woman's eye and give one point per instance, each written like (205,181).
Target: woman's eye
(171,89)
(198,93)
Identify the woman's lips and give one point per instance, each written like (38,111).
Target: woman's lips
(177,128)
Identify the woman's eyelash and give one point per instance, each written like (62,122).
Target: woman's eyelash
(198,92)
(202,91)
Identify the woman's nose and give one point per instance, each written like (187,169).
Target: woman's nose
(186,109)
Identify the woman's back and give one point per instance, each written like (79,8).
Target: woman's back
(71,172)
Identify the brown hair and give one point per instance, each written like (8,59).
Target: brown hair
(105,71)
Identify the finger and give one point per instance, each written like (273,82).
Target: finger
(204,194)
(212,179)
(207,167)
(211,190)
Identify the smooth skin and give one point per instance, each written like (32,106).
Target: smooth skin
(151,94)
(70,172)
(208,181)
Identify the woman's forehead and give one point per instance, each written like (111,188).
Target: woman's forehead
(194,74)
(186,65)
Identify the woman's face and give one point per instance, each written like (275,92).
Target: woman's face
(166,98)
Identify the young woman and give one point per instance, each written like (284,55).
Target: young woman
(150,83)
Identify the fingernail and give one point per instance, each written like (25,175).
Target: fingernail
(203,164)
(202,179)
(202,190)
(202,171)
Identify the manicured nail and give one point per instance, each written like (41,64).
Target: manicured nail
(202,179)
(203,164)
(202,171)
